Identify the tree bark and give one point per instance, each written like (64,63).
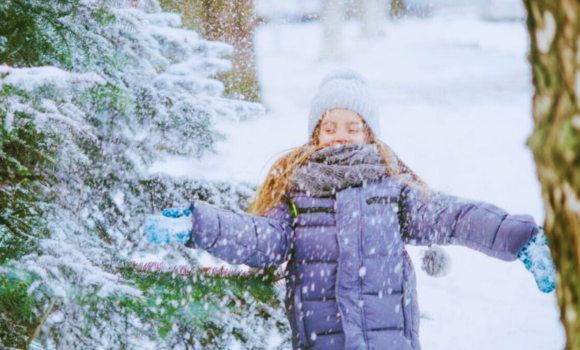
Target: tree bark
(233,22)
(554,28)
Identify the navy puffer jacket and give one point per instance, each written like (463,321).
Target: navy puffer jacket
(350,283)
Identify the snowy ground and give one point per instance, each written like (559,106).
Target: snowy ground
(455,98)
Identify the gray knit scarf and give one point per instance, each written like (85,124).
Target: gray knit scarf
(331,169)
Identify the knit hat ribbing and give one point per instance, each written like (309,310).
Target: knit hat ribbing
(344,88)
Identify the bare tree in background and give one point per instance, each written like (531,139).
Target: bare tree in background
(233,22)
(333,18)
(554,27)
(373,15)
(398,8)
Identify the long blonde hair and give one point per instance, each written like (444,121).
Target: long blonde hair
(274,188)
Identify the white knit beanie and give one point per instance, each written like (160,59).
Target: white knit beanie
(344,88)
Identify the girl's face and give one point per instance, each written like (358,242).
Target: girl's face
(341,126)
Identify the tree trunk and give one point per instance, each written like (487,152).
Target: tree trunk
(333,18)
(233,22)
(373,16)
(398,8)
(554,27)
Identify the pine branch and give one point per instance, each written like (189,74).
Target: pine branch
(36,331)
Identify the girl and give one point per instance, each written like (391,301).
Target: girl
(340,210)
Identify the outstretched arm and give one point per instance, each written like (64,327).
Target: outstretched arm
(443,219)
(242,238)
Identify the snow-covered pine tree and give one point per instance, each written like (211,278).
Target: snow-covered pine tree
(40,125)
(132,87)
(40,132)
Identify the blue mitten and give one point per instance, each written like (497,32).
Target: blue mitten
(176,212)
(536,257)
(173,226)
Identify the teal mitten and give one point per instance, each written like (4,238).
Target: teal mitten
(536,257)
(173,226)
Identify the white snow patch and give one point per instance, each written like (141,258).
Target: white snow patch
(545,35)
(362,271)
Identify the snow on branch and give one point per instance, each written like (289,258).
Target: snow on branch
(29,79)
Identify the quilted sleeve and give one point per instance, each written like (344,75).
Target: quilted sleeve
(240,238)
(443,219)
